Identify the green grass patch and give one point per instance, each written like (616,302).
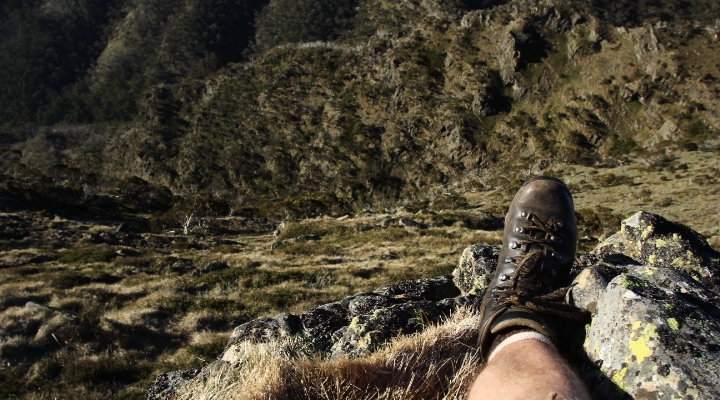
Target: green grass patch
(90,254)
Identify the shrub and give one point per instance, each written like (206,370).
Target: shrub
(597,221)
(611,179)
(90,254)
(190,213)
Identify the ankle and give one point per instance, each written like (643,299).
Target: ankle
(512,336)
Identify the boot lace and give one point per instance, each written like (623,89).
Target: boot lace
(525,288)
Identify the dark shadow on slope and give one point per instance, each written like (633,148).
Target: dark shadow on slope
(497,101)
(482,4)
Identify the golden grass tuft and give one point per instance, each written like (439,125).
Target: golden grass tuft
(439,363)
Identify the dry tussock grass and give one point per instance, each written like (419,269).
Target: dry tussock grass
(438,363)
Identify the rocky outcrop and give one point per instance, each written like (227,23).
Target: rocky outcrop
(651,289)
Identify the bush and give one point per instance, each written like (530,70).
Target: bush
(597,221)
(611,179)
(91,254)
(190,213)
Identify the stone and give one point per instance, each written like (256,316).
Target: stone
(586,288)
(39,259)
(434,289)
(307,238)
(476,267)
(165,385)
(209,267)
(654,241)
(367,332)
(409,222)
(263,330)
(656,334)
(387,222)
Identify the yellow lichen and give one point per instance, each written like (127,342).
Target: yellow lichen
(660,243)
(618,377)
(640,342)
(673,323)
(651,259)
(647,232)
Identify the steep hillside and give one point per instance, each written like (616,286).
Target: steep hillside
(435,100)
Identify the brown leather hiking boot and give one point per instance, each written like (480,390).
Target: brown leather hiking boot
(535,260)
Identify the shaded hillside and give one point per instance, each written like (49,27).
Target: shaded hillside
(408,103)
(443,100)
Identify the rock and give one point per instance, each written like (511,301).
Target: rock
(476,267)
(654,241)
(365,228)
(389,256)
(210,267)
(378,316)
(127,252)
(90,237)
(656,334)
(182,266)
(321,324)
(387,222)
(215,266)
(307,238)
(367,332)
(434,289)
(587,288)
(365,304)
(409,222)
(165,385)
(263,330)
(280,228)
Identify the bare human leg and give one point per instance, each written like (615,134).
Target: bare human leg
(528,370)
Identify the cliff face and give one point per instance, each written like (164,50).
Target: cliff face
(652,289)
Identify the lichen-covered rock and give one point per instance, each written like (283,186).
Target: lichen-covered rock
(263,330)
(367,332)
(656,335)
(358,324)
(166,384)
(654,241)
(587,286)
(321,324)
(476,267)
(434,289)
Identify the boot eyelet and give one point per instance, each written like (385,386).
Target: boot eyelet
(557,255)
(514,245)
(504,277)
(525,214)
(509,260)
(519,229)
(553,272)
(556,239)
